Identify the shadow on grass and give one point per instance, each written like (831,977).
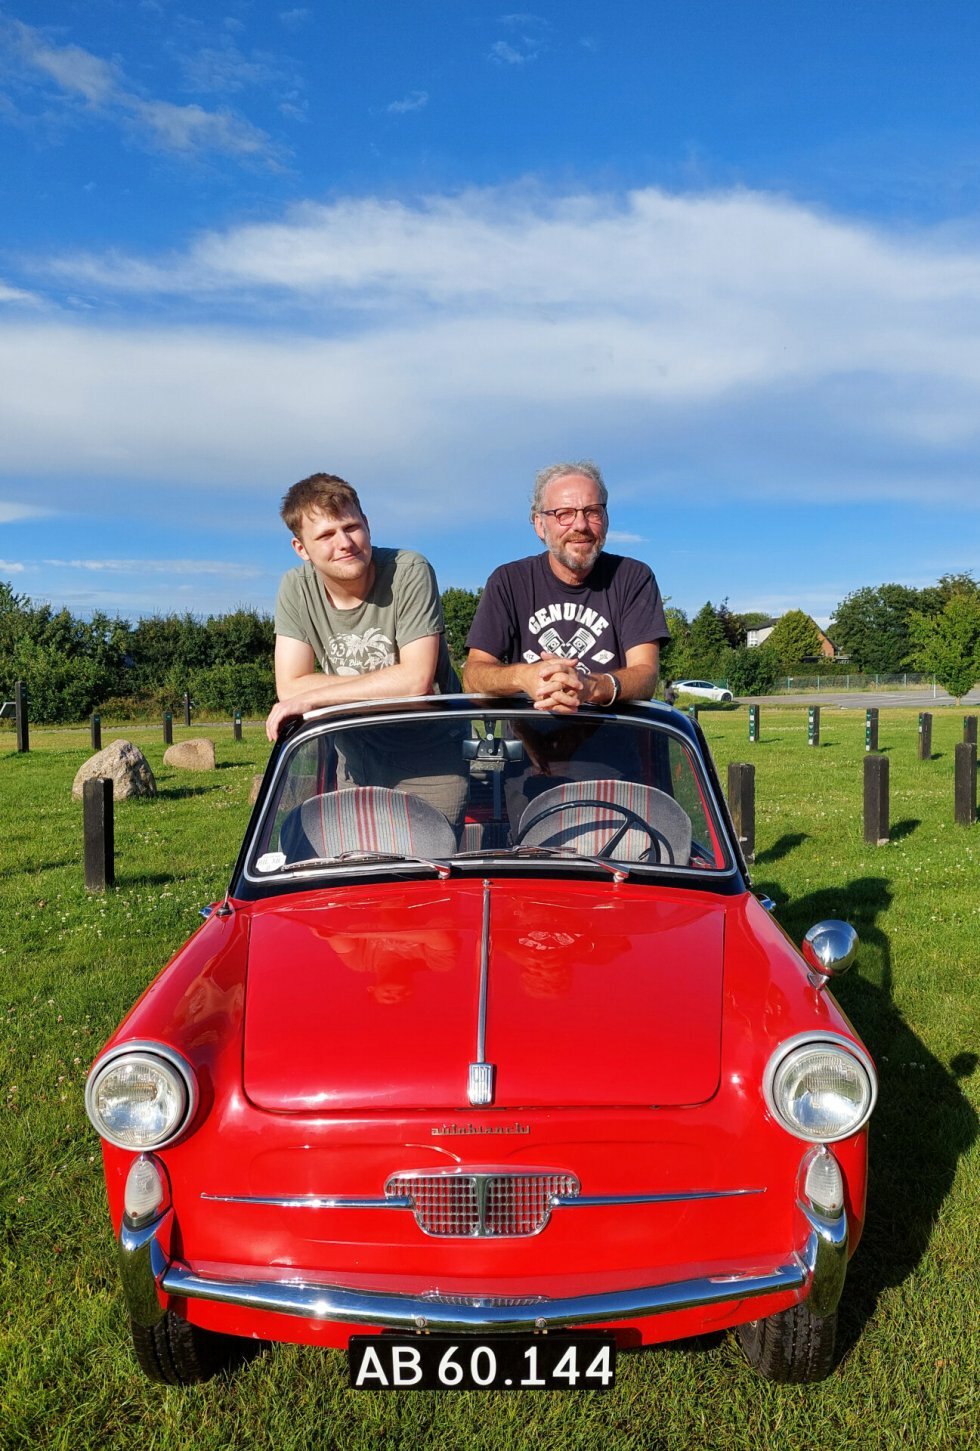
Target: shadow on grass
(898,829)
(178,793)
(32,868)
(784,844)
(923,1122)
(151,879)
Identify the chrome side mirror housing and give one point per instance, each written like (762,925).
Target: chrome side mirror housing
(829,948)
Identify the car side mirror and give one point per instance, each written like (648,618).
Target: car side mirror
(829,948)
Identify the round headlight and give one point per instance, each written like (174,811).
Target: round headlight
(821,1089)
(141,1096)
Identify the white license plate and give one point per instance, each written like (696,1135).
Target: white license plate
(582,1362)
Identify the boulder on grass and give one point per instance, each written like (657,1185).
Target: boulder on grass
(124,764)
(253,795)
(196,755)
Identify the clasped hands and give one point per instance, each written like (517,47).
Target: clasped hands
(556,685)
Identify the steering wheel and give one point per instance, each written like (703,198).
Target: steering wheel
(630,818)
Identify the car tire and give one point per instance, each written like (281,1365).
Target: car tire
(793,1346)
(174,1352)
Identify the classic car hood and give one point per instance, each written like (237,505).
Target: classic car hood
(596,994)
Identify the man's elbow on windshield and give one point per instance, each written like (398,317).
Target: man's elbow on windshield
(418,665)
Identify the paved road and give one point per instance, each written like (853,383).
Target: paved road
(862,699)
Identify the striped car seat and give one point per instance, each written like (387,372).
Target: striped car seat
(365,818)
(624,820)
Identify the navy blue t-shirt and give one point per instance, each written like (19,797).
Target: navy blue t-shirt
(526,612)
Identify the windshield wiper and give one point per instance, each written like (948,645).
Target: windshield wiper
(441,869)
(566,853)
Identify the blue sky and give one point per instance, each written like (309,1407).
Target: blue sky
(728,248)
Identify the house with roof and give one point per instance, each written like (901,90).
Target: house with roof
(759,634)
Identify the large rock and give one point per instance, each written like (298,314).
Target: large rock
(196,755)
(125,765)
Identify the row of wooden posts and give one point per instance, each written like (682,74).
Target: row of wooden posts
(870,728)
(741,795)
(99,847)
(95,722)
(98,827)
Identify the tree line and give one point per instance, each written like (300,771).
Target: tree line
(878,630)
(72,667)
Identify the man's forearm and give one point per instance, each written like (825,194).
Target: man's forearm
(481,677)
(390,680)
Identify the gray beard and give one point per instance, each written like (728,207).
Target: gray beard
(577,564)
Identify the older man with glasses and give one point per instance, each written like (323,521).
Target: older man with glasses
(573,625)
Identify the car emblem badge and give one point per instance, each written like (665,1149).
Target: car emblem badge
(479,1089)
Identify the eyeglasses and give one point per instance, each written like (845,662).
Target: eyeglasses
(592,514)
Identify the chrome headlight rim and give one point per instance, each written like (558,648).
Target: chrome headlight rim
(847,1047)
(143,1049)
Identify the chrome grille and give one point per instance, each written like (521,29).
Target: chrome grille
(486,1205)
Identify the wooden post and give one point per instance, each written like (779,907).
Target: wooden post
(871,728)
(965,790)
(187,708)
(168,728)
(23,730)
(754,723)
(876,800)
(237,725)
(969,730)
(99,842)
(813,725)
(693,710)
(741,803)
(925,736)
(96,733)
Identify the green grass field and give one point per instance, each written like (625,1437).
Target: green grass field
(71,964)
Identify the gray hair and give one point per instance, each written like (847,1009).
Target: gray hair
(547,476)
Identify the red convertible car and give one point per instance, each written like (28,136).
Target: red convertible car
(489,1064)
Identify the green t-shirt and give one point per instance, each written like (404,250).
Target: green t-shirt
(403,606)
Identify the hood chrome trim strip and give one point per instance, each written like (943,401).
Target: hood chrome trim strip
(482,1075)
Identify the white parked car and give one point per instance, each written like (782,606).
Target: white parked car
(703,688)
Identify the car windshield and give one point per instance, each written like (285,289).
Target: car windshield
(431,791)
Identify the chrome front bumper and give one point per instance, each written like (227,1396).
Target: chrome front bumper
(148,1274)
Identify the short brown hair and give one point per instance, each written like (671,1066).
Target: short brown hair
(319,494)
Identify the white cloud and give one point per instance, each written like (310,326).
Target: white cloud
(620,536)
(679,296)
(527,39)
(191,128)
(295,19)
(224,568)
(102,86)
(11,513)
(73,68)
(507,54)
(740,340)
(9,567)
(414,101)
(16,296)
(225,70)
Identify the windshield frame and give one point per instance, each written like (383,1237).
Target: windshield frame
(732,877)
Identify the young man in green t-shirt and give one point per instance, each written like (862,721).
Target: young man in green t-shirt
(370,617)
